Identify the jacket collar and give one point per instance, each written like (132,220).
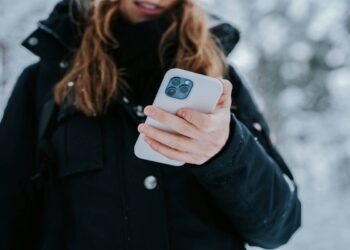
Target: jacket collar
(59,33)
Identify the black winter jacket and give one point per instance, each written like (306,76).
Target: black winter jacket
(72,182)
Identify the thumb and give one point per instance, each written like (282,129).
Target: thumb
(225,99)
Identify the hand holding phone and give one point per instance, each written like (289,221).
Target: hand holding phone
(183,89)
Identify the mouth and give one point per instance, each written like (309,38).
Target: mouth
(148,8)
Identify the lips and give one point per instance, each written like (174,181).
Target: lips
(148,8)
(146,5)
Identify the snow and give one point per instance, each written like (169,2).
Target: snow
(294,56)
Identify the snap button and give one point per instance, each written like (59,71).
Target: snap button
(150,182)
(70,84)
(257,126)
(140,114)
(63,64)
(33,41)
(126,100)
(139,111)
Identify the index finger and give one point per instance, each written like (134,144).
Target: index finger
(172,121)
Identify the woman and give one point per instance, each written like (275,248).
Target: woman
(70,179)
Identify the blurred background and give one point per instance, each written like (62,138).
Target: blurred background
(295,58)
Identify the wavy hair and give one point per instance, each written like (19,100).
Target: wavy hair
(93,78)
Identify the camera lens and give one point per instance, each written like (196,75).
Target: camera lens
(183,89)
(171,91)
(175,81)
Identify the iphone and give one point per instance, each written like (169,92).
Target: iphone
(179,89)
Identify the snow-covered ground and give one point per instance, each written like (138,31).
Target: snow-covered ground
(294,56)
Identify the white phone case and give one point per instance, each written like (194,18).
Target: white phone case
(204,95)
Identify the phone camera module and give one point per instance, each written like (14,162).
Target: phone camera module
(179,88)
(171,91)
(183,89)
(176,81)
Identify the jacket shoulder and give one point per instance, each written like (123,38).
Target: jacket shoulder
(226,35)
(25,82)
(17,126)
(28,74)
(23,90)
(241,96)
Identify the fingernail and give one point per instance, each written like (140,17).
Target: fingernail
(149,110)
(141,128)
(181,113)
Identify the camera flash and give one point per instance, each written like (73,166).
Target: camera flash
(187,82)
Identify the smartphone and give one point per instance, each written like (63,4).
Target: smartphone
(179,89)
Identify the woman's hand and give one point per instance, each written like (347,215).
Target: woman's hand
(201,136)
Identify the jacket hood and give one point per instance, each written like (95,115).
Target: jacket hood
(60,33)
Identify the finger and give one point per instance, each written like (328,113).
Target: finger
(172,121)
(171,153)
(204,122)
(178,142)
(225,98)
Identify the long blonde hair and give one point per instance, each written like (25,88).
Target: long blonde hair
(93,79)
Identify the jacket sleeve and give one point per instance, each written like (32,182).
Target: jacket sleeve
(249,180)
(17,156)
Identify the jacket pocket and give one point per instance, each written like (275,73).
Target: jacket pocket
(78,145)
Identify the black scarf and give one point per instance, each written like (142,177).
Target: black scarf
(138,55)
